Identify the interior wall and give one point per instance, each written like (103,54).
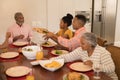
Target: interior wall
(34,12)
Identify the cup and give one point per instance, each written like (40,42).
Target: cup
(39,55)
(97,69)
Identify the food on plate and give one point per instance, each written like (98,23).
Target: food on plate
(58,52)
(74,76)
(41,30)
(46,43)
(53,64)
(27,49)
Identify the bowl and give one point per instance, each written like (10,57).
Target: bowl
(38,38)
(52,65)
(30,51)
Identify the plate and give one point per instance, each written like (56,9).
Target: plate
(9,55)
(80,66)
(20,43)
(84,77)
(59,52)
(48,44)
(18,71)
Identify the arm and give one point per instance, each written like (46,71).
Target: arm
(18,37)
(52,36)
(72,56)
(107,64)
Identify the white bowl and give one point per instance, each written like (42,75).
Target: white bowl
(30,51)
(38,38)
(44,62)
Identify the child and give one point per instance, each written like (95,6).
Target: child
(64,24)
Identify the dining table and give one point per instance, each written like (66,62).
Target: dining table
(38,72)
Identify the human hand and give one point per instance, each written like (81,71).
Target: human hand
(48,35)
(18,37)
(88,62)
(21,36)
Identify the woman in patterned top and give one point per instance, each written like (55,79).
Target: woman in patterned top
(64,31)
(91,53)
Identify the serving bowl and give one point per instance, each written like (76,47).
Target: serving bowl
(30,51)
(52,65)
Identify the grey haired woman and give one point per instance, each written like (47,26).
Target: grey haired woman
(91,53)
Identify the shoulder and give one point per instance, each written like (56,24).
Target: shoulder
(13,26)
(101,50)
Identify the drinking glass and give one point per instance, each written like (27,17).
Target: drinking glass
(97,69)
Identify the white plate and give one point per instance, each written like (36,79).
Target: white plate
(18,71)
(80,66)
(44,62)
(8,55)
(20,43)
(60,52)
(49,44)
(85,77)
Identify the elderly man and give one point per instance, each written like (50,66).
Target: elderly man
(78,25)
(19,30)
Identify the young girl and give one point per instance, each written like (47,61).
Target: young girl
(64,24)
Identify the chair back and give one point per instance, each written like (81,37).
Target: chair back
(101,41)
(115,53)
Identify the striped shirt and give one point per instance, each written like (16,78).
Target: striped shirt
(74,42)
(100,55)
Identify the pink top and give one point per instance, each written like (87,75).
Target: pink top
(16,30)
(74,42)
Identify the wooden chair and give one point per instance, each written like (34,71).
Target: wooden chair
(115,53)
(101,41)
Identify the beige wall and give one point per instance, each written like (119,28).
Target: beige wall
(34,12)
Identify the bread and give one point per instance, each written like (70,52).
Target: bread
(40,30)
(53,64)
(74,76)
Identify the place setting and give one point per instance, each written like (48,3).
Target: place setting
(20,43)
(75,76)
(57,52)
(9,56)
(79,66)
(19,73)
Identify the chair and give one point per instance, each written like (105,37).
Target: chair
(115,53)
(101,41)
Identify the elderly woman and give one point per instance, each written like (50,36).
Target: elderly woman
(90,53)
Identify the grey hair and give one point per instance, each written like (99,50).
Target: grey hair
(90,38)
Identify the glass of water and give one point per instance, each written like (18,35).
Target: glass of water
(97,69)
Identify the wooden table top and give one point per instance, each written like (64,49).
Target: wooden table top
(40,73)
